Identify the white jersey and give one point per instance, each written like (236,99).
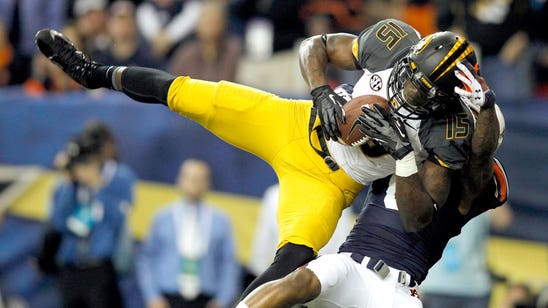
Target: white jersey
(352,160)
(431,138)
(360,167)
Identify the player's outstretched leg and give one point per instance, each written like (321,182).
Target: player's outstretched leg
(142,84)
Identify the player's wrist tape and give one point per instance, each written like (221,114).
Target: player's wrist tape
(490,99)
(407,165)
(242,305)
(402,152)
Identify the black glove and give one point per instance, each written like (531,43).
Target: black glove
(387,130)
(329,106)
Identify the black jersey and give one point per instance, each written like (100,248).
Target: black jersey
(379,232)
(444,137)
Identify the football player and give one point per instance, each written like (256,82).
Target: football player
(314,189)
(381,264)
(317,178)
(429,134)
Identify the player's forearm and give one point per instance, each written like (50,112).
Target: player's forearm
(415,205)
(418,192)
(480,167)
(486,134)
(313,61)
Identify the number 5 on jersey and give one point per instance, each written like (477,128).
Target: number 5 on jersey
(391,34)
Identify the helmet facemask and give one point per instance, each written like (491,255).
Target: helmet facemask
(410,95)
(422,82)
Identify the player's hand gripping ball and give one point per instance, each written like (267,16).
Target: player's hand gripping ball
(350,130)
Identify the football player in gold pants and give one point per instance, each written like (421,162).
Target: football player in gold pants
(312,194)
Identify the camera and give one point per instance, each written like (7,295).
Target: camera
(79,149)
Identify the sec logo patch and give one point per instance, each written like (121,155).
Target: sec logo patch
(375,83)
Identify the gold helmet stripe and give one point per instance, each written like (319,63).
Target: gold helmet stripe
(459,51)
(468,51)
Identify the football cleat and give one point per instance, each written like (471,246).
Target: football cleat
(61,51)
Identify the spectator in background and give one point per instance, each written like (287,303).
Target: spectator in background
(22,18)
(539,37)
(165,23)
(289,27)
(89,210)
(90,20)
(6,55)
(266,233)
(125,46)
(542,298)
(102,134)
(461,278)
(500,28)
(188,258)
(283,17)
(214,54)
(347,15)
(519,295)
(421,15)
(86,32)
(376,10)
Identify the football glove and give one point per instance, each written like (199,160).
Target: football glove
(329,106)
(386,129)
(476,92)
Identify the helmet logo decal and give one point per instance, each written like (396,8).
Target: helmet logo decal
(375,83)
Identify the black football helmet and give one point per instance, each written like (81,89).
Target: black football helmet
(423,80)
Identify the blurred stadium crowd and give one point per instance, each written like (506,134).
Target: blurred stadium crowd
(252,42)
(244,40)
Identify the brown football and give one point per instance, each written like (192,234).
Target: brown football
(350,133)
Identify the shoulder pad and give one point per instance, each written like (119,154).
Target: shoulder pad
(381,45)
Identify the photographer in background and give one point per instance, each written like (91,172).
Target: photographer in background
(88,214)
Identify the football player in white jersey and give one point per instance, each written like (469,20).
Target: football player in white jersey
(381,264)
(430,132)
(315,185)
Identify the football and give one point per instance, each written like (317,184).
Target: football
(350,133)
